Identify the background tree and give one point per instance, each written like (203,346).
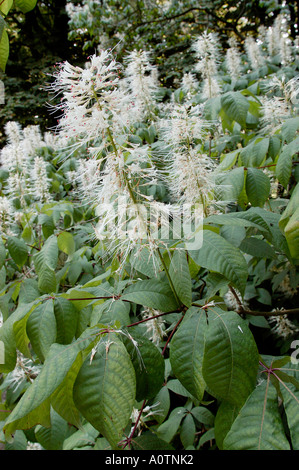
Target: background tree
(38,40)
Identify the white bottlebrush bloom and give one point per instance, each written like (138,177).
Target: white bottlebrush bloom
(189,84)
(147,412)
(32,139)
(126,215)
(91,101)
(25,369)
(285,50)
(282,326)
(184,125)
(142,82)
(155,328)
(211,88)
(254,53)
(87,179)
(189,172)
(40,182)
(6,215)
(271,42)
(191,177)
(17,186)
(232,302)
(274,111)
(207,45)
(14,157)
(34,446)
(207,51)
(13,132)
(233,62)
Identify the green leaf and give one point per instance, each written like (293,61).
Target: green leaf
(4,50)
(186,356)
(66,319)
(5,6)
(45,262)
(290,395)
(235,106)
(188,429)
(254,154)
(104,391)
(2,253)
(151,293)
(284,166)
(203,415)
(148,364)
(18,250)
(167,430)
(66,243)
(228,160)
(292,234)
(85,436)
(181,278)
(219,255)
(257,187)
(52,438)
(257,248)
(230,185)
(62,399)
(149,441)
(226,415)
(110,312)
(290,128)
(274,146)
(258,425)
(231,357)
(34,406)
(41,328)
(7,335)
(25,5)
(291,208)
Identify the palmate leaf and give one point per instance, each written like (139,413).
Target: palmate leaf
(217,254)
(104,391)
(258,425)
(230,361)
(186,351)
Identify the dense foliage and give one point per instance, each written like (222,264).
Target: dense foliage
(120,331)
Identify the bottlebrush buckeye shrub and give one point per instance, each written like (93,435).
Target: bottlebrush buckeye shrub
(148,257)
